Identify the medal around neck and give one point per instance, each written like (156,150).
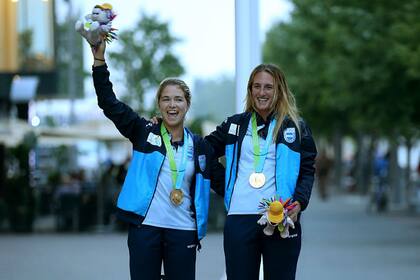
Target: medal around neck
(257,180)
(176,197)
(177,173)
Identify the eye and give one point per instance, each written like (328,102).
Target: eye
(268,88)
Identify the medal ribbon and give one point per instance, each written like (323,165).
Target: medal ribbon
(177,174)
(259,157)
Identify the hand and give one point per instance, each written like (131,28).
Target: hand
(155,120)
(293,213)
(98,53)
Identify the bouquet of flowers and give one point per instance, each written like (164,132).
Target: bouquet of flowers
(275,215)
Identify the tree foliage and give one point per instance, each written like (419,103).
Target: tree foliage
(146,58)
(66,59)
(353,65)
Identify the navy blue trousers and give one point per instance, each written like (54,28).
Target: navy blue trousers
(244,244)
(150,246)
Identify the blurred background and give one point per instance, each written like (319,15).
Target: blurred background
(354,67)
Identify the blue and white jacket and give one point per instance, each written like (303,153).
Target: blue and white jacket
(148,157)
(295,156)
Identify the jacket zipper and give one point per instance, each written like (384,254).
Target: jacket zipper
(195,151)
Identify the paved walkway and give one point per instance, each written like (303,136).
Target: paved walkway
(340,241)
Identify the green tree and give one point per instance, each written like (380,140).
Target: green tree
(63,58)
(29,61)
(146,58)
(19,195)
(25,45)
(354,66)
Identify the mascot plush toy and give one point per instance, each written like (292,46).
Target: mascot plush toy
(275,215)
(98,25)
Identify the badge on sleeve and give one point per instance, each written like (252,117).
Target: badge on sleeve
(154,139)
(289,134)
(233,129)
(202,162)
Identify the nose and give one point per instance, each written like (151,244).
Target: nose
(260,91)
(171,103)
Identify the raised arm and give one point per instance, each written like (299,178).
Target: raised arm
(128,122)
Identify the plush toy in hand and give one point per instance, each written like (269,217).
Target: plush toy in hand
(275,214)
(97,25)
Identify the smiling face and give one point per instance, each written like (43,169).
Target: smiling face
(268,92)
(173,106)
(262,92)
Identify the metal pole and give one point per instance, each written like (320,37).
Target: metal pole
(247,46)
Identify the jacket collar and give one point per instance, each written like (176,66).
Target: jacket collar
(260,120)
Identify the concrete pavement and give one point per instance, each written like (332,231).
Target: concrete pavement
(340,241)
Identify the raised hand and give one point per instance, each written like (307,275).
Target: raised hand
(98,53)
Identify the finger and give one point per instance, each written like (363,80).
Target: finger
(296,206)
(155,120)
(293,216)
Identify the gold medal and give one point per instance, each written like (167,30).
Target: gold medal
(176,197)
(257,180)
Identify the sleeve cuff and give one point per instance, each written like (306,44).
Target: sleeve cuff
(100,68)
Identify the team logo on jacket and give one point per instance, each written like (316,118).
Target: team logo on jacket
(233,129)
(202,162)
(154,139)
(289,134)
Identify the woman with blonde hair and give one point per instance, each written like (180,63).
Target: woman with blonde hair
(270,156)
(165,195)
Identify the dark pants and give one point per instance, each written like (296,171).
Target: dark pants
(245,243)
(149,246)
